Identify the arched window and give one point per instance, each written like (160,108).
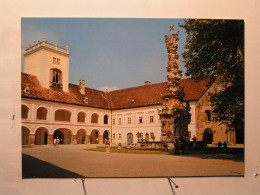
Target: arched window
(62,115)
(94,118)
(42,113)
(81,117)
(25,111)
(56,78)
(105,119)
(208,113)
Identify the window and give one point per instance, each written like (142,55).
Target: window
(114,136)
(86,100)
(105,119)
(62,115)
(54,60)
(114,121)
(140,119)
(189,133)
(42,113)
(56,78)
(208,115)
(151,119)
(27,90)
(141,135)
(129,120)
(119,121)
(94,118)
(152,136)
(81,117)
(119,136)
(58,61)
(25,111)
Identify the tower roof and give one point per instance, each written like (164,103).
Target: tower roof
(46,45)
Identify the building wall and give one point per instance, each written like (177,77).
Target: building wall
(202,123)
(124,127)
(41,62)
(118,130)
(192,125)
(63,66)
(72,126)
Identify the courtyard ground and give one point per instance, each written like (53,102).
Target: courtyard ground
(72,161)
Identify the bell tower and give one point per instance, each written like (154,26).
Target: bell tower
(49,62)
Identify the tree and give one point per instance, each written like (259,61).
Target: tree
(216,48)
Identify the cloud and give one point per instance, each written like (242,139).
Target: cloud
(107,88)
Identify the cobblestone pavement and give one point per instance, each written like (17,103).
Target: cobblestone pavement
(73,161)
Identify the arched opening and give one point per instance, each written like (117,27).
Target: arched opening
(25,135)
(208,136)
(129,138)
(62,115)
(56,78)
(41,135)
(208,113)
(177,127)
(94,118)
(63,134)
(94,137)
(81,117)
(105,119)
(81,136)
(105,135)
(42,113)
(25,111)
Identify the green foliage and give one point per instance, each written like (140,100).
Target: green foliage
(216,48)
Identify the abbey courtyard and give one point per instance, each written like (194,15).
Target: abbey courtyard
(150,115)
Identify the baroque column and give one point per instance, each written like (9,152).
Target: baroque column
(174,115)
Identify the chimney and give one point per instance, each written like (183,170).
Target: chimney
(147,83)
(82,86)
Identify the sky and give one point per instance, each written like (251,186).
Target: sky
(108,53)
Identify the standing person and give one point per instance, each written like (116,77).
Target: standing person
(225,145)
(57,142)
(219,145)
(54,142)
(182,145)
(176,146)
(107,145)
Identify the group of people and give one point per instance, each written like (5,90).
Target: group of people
(220,145)
(56,142)
(179,144)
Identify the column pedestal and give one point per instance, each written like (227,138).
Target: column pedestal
(87,139)
(32,139)
(50,139)
(73,137)
(100,139)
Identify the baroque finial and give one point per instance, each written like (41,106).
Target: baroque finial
(172,27)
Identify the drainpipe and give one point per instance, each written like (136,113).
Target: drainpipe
(111,126)
(109,103)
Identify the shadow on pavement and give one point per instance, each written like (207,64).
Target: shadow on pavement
(214,153)
(35,168)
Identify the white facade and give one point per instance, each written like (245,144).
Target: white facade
(143,120)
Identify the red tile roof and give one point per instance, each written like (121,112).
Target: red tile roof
(152,94)
(119,99)
(95,98)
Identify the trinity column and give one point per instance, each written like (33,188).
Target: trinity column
(174,115)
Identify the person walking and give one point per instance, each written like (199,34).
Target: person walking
(57,142)
(107,141)
(54,142)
